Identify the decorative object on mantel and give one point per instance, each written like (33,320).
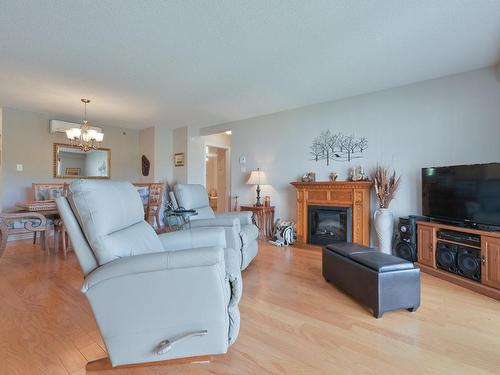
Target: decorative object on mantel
(258,178)
(84,137)
(357,173)
(386,186)
(309,177)
(328,146)
(179,159)
(145,165)
(333,176)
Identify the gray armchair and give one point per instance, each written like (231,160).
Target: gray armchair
(241,233)
(154,297)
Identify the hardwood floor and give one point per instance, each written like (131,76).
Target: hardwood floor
(293,322)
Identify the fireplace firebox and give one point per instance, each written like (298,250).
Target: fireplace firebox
(328,224)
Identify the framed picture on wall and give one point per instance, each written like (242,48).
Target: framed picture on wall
(179,159)
(72,172)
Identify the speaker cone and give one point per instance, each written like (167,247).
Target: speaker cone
(406,251)
(446,256)
(469,264)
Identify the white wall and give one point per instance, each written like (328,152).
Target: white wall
(156,143)
(180,140)
(147,148)
(164,155)
(1,159)
(452,120)
(196,156)
(218,140)
(26,140)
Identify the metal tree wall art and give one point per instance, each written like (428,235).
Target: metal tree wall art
(328,146)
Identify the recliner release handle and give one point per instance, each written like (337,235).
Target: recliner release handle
(165,345)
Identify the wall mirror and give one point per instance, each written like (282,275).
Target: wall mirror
(73,162)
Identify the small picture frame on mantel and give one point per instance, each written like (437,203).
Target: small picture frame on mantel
(179,159)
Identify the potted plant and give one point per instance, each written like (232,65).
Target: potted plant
(386,185)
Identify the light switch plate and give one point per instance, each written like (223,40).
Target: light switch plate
(19,167)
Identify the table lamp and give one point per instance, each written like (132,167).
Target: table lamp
(257,178)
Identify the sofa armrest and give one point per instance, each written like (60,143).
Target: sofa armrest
(217,222)
(232,230)
(244,217)
(193,239)
(164,260)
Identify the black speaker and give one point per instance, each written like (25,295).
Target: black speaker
(405,245)
(469,263)
(446,256)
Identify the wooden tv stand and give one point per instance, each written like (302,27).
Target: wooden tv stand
(490,257)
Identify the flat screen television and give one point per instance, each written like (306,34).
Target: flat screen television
(463,194)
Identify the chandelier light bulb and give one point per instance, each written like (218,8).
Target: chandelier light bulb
(84,137)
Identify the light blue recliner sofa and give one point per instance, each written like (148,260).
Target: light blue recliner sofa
(154,297)
(241,233)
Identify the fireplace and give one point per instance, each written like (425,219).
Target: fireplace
(353,197)
(328,224)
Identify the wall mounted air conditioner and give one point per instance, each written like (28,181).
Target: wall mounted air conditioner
(57,126)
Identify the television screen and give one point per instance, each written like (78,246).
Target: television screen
(462,193)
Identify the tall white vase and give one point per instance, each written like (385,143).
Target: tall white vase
(384,227)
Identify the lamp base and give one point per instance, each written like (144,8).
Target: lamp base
(257,203)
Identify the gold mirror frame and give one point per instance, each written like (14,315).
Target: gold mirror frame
(56,156)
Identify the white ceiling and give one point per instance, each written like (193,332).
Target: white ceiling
(201,63)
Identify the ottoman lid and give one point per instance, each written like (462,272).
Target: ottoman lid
(347,249)
(381,262)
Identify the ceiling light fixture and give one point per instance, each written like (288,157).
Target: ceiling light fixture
(85,137)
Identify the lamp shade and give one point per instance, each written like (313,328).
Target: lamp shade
(257,177)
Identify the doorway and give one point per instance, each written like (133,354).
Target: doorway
(217,178)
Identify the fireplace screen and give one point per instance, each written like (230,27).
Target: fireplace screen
(329,224)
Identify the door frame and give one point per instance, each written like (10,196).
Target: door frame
(228,171)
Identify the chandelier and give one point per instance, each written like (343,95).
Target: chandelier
(85,137)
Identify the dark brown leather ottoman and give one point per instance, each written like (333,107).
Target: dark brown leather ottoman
(381,281)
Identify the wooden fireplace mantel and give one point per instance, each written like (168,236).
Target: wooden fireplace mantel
(355,195)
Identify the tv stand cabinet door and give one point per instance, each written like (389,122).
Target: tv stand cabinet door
(426,245)
(490,252)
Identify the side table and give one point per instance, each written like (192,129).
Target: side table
(184,216)
(263,217)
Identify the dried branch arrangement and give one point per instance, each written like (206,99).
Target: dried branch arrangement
(386,185)
(328,146)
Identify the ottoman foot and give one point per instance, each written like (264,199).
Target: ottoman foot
(413,309)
